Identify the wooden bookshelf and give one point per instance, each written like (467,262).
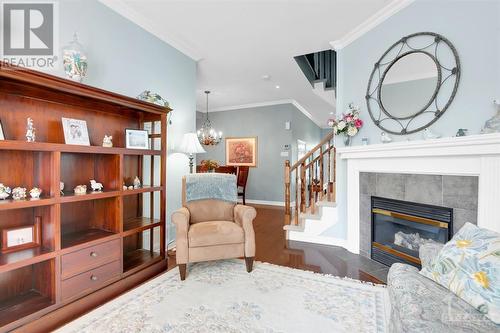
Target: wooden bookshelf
(116,234)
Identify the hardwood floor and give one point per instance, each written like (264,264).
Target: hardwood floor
(272,247)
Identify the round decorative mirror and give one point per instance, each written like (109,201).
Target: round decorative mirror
(413,83)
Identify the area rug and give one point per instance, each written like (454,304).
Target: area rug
(221,296)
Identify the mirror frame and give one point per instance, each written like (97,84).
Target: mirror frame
(403,48)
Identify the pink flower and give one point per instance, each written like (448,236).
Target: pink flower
(348,118)
(358,123)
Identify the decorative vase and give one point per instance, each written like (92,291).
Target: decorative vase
(347,140)
(75,60)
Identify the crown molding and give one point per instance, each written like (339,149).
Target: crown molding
(132,15)
(269,103)
(383,14)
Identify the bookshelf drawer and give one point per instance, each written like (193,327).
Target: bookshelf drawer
(89,258)
(91,280)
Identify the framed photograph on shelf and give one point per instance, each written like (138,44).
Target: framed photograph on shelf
(2,136)
(136,139)
(20,238)
(241,151)
(75,132)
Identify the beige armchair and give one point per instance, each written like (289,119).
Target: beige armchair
(213,229)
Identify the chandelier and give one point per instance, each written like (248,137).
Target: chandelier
(207,135)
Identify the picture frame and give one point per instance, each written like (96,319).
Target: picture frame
(21,238)
(136,139)
(2,136)
(75,132)
(241,151)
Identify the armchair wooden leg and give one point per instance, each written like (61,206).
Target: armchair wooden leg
(182,271)
(249,263)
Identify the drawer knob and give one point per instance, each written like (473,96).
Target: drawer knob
(93,278)
(93,254)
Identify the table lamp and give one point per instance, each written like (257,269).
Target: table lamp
(190,145)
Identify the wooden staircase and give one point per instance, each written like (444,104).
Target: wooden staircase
(310,182)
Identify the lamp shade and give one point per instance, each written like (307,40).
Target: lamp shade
(190,144)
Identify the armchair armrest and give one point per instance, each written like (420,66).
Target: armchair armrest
(428,252)
(181,220)
(244,216)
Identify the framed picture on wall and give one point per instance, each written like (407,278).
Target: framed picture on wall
(241,151)
(2,136)
(75,132)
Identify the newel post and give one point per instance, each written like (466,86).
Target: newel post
(287,192)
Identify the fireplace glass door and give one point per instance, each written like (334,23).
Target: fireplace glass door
(398,233)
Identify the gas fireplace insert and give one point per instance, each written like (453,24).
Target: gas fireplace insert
(399,228)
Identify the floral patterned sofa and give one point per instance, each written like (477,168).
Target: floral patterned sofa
(418,304)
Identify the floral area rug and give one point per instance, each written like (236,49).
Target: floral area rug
(221,296)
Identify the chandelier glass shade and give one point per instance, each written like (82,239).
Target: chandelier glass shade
(207,135)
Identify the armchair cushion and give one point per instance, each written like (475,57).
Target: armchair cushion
(215,233)
(210,210)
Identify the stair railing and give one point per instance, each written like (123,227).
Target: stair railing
(310,179)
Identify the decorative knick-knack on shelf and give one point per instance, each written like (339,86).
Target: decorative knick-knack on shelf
(35,192)
(30,130)
(19,193)
(95,186)
(428,134)
(385,138)
(137,183)
(80,190)
(4,191)
(462,132)
(75,60)
(154,98)
(61,188)
(107,141)
(493,125)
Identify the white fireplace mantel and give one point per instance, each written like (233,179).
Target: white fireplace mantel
(476,155)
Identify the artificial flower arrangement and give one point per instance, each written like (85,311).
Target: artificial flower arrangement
(210,164)
(349,124)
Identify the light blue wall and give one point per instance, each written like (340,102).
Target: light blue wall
(472,26)
(265,182)
(126,59)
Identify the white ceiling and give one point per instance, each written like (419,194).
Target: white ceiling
(236,42)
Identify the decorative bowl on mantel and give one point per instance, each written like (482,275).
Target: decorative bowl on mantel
(154,98)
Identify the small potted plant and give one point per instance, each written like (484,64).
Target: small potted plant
(349,125)
(210,165)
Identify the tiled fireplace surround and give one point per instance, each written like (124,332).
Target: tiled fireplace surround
(457,192)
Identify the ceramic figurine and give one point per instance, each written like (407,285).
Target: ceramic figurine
(125,187)
(428,134)
(95,186)
(385,138)
(61,187)
(154,98)
(30,130)
(462,132)
(130,187)
(19,193)
(4,191)
(137,183)
(35,192)
(80,189)
(493,124)
(107,141)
